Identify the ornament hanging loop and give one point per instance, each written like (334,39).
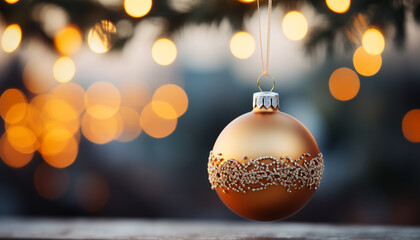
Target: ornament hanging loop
(265,70)
(265,74)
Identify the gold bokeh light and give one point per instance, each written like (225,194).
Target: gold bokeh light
(13,105)
(68,40)
(365,63)
(59,110)
(22,139)
(295,25)
(12,157)
(154,125)
(11,38)
(102,131)
(164,109)
(170,101)
(354,31)
(100,36)
(52,125)
(65,157)
(137,8)
(164,51)
(242,45)
(373,41)
(344,84)
(102,100)
(71,93)
(32,120)
(338,6)
(64,69)
(55,141)
(16,113)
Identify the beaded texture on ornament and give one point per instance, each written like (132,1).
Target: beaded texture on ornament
(258,174)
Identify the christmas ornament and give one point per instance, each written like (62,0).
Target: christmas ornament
(265,165)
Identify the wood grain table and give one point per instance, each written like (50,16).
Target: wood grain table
(42,228)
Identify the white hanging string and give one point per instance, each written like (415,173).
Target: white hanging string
(265,70)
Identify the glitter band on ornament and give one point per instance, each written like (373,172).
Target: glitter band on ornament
(258,174)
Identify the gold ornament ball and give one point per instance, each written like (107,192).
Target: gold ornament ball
(265,165)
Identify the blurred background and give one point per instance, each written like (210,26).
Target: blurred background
(110,108)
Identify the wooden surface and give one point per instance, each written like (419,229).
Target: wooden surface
(38,228)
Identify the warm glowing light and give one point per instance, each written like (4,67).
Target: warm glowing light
(51,125)
(338,6)
(295,25)
(32,120)
(55,141)
(102,100)
(71,93)
(68,40)
(64,69)
(373,41)
(59,110)
(131,129)
(38,77)
(9,98)
(100,36)
(11,38)
(49,119)
(22,139)
(344,84)
(357,28)
(92,192)
(154,125)
(242,45)
(11,1)
(16,113)
(101,131)
(164,51)
(11,156)
(365,63)
(164,110)
(137,8)
(411,126)
(55,113)
(13,105)
(246,1)
(51,183)
(135,94)
(41,100)
(65,157)
(170,101)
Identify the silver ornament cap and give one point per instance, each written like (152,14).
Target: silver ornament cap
(266,100)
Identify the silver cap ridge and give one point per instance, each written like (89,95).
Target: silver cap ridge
(266,99)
